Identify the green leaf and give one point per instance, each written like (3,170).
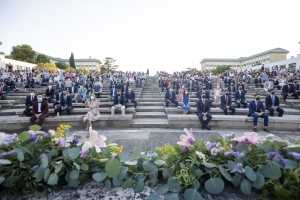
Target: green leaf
(147,164)
(237,179)
(290,164)
(242,148)
(130,163)
(122,173)
(1,179)
(250,173)
(274,171)
(173,196)
(73,183)
(260,181)
(74,174)
(65,152)
(104,150)
(113,168)
(99,176)
(84,167)
(268,146)
(137,151)
(162,189)
(214,139)
(52,180)
(124,157)
(53,152)
(195,185)
(58,168)
(214,185)
(24,136)
(39,173)
(209,165)
(139,186)
(76,165)
(174,185)
(159,162)
(154,197)
(246,186)
(153,182)
(198,172)
(192,194)
(167,172)
(45,162)
(225,173)
(35,128)
(128,184)
(117,182)
(74,153)
(182,166)
(20,154)
(231,165)
(10,181)
(46,175)
(107,184)
(153,171)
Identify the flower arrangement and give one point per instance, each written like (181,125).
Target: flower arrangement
(35,160)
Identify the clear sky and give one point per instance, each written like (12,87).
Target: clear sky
(156,34)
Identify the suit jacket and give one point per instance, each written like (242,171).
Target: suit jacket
(28,101)
(252,106)
(124,90)
(57,95)
(50,92)
(200,106)
(44,108)
(285,89)
(175,85)
(111,92)
(130,95)
(237,96)
(233,89)
(209,86)
(5,88)
(241,85)
(122,100)
(199,88)
(207,94)
(268,101)
(75,89)
(88,85)
(189,85)
(61,85)
(68,101)
(257,80)
(167,96)
(223,101)
(297,86)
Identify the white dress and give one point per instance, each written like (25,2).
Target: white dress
(94,107)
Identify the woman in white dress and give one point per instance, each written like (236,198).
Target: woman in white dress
(93,113)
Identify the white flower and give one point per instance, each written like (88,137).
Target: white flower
(270,136)
(96,141)
(52,132)
(201,156)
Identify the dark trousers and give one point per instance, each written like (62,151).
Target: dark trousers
(27,112)
(241,102)
(3,96)
(97,95)
(279,110)
(49,99)
(133,101)
(172,101)
(59,109)
(204,122)
(41,119)
(230,108)
(255,118)
(294,94)
(55,103)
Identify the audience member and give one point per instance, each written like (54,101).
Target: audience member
(118,103)
(29,104)
(93,113)
(203,110)
(65,103)
(226,103)
(186,102)
(272,103)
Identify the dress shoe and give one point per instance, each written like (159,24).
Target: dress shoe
(267,130)
(207,127)
(203,127)
(255,130)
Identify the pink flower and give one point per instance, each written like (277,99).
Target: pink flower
(214,151)
(250,136)
(230,134)
(96,141)
(188,139)
(208,145)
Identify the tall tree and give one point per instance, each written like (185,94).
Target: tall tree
(109,64)
(72,61)
(41,58)
(23,52)
(62,65)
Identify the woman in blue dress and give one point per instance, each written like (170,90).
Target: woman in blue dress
(186,102)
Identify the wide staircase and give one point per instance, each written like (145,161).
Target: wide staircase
(150,111)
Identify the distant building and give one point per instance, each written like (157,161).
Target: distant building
(265,57)
(17,65)
(88,63)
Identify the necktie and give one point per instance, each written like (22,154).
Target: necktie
(256,106)
(1,90)
(31,98)
(273,100)
(226,100)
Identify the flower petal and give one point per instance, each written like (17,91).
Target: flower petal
(185,144)
(98,150)
(86,146)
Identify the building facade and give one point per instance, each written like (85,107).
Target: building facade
(88,63)
(17,65)
(265,57)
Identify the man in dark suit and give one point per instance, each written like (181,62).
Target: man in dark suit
(170,97)
(191,84)
(4,90)
(289,90)
(176,86)
(296,87)
(124,87)
(258,82)
(29,104)
(226,103)
(199,88)
(118,85)
(231,89)
(164,85)
(112,93)
(209,85)
(57,97)
(10,84)
(73,90)
(65,103)
(88,84)
(203,110)
(60,85)
(239,97)
(138,82)
(257,109)
(119,102)
(40,110)
(272,103)
(49,93)
(130,97)
(243,86)
(45,81)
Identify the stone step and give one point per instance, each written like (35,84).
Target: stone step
(150,123)
(142,103)
(150,100)
(150,109)
(149,115)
